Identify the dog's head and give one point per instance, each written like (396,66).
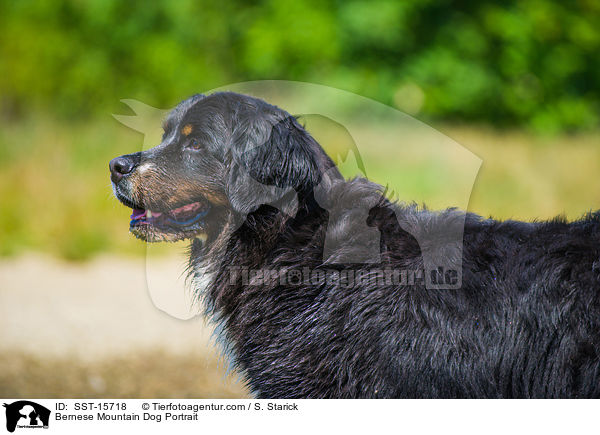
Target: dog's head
(221,157)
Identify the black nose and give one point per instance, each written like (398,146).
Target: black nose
(120,166)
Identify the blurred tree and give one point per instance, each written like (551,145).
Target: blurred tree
(530,63)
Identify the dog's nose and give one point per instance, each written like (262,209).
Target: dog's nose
(120,166)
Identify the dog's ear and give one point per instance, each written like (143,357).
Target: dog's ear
(266,172)
(246,194)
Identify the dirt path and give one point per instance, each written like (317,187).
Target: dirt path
(93,330)
(100,308)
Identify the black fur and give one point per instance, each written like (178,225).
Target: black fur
(524,324)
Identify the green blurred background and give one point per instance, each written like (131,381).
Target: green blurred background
(515,82)
(516,78)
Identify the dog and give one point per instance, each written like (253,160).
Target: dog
(246,184)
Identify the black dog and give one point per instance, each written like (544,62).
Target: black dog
(260,199)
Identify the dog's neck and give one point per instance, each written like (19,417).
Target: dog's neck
(247,246)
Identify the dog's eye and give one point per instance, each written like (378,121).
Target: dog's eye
(194,144)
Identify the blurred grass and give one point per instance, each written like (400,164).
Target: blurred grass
(54,188)
(144,374)
(525,176)
(55,193)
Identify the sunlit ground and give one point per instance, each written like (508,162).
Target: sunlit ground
(91,329)
(145,374)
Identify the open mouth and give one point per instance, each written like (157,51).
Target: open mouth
(175,224)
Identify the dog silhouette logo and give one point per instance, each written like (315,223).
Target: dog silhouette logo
(26,414)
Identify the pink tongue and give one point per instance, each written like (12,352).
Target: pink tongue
(138,213)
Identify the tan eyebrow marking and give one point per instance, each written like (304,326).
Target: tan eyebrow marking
(186,130)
